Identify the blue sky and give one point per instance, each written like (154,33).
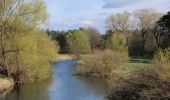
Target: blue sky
(72,14)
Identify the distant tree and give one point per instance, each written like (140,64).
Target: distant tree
(119,23)
(164,29)
(78,42)
(146,20)
(94,37)
(60,38)
(116,42)
(164,22)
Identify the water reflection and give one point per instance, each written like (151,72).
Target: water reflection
(97,85)
(64,86)
(36,91)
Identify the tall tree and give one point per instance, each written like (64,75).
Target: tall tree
(119,23)
(78,42)
(60,38)
(164,29)
(18,20)
(94,37)
(146,19)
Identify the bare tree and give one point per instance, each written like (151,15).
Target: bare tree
(146,19)
(119,23)
(94,37)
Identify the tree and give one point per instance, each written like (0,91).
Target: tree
(60,38)
(94,37)
(78,42)
(19,26)
(36,57)
(164,29)
(146,19)
(119,23)
(116,42)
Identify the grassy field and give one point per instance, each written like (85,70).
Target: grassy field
(137,62)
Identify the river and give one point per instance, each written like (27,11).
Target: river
(64,85)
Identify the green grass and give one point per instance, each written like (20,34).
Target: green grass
(139,62)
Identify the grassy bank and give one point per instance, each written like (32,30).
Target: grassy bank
(137,63)
(129,79)
(5,84)
(64,57)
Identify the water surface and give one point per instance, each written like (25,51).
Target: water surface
(64,85)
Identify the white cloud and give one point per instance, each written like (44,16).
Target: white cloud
(87,22)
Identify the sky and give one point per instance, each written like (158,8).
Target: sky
(72,14)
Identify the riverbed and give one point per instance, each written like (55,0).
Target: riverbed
(64,85)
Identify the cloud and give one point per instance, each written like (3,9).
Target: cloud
(119,3)
(76,22)
(66,14)
(87,22)
(71,24)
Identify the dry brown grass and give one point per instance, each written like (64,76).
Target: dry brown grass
(64,57)
(146,83)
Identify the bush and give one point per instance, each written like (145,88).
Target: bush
(78,42)
(162,57)
(147,83)
(36,57)
(101,63)
(116,42)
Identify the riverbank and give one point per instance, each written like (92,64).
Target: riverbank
(62,57)
(5,84)
(87,68)
(128,79)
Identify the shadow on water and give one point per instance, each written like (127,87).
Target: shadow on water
(63,86)
(35,91)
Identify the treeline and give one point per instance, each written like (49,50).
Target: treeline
(143,31)
(80,41)
(25,50)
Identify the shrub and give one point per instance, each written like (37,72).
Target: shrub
(116,42)
(101,63)
(78,42)
(36,57)
(151,83)
(162,57)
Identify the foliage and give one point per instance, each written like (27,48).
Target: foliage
(146,21)
(26,52)
(164,22)
(94,38)
(146,83)
(135,45)
(60,38)
(102,63)
(162,57)
(36,57)
(78,42)
(116,42)
(164,30)
(5,84)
